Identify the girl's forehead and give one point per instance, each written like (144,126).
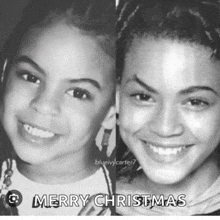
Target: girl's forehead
(61,36)
(61,47)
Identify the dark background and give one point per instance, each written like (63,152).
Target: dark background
(10,12)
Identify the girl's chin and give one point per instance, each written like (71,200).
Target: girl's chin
(32,157)
(30,161)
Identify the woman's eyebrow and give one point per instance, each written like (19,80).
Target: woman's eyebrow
(142,84)
(26,59)
(193,89)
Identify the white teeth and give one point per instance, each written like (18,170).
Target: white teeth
(38,132)
(166,151)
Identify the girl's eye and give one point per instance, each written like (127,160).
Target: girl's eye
(31,78)
(79,93)
(197,104)
(142,97)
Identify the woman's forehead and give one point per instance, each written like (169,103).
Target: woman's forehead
(164,62)
(163,51)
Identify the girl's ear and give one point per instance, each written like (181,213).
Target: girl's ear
(110,119)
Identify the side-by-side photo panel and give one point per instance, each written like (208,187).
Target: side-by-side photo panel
(58,115)
(168,106)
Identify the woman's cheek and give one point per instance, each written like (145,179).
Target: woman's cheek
(204,126)
(133,118)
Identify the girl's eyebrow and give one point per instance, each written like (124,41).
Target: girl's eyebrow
(142,84)
(26,59)
(87,80)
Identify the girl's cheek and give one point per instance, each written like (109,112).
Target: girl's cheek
(12,84)
(17,93)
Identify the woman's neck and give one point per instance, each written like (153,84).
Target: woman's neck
(66,169)
(193,185)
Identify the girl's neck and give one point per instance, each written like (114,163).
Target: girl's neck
(68,169)
(192,186)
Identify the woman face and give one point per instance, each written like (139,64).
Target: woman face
(58,93)
(170,107)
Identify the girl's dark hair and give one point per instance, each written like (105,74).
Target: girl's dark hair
(93,17)
(195,21)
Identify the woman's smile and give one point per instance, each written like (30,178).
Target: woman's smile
(166,153)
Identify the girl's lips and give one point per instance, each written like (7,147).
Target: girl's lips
(36,135)
(35,126)
(166,153)
(38,132)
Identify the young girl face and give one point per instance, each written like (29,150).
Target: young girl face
(58,93)
(170,107)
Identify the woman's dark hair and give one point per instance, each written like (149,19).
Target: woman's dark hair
(93,17)
(194,21)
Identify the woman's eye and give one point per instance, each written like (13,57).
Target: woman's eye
(31,78)
(197,104)
(142,97)
(79,93)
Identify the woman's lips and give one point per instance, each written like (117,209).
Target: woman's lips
(166,150)
(166,153)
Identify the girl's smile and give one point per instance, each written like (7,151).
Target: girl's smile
(37,135)
(169,108)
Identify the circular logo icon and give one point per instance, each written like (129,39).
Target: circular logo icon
(13,198)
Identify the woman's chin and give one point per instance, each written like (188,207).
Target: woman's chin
(165,177)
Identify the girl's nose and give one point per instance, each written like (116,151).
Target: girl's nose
(167,122)
(46,103)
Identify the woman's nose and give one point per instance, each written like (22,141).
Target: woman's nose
(46,102)
(167,122)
